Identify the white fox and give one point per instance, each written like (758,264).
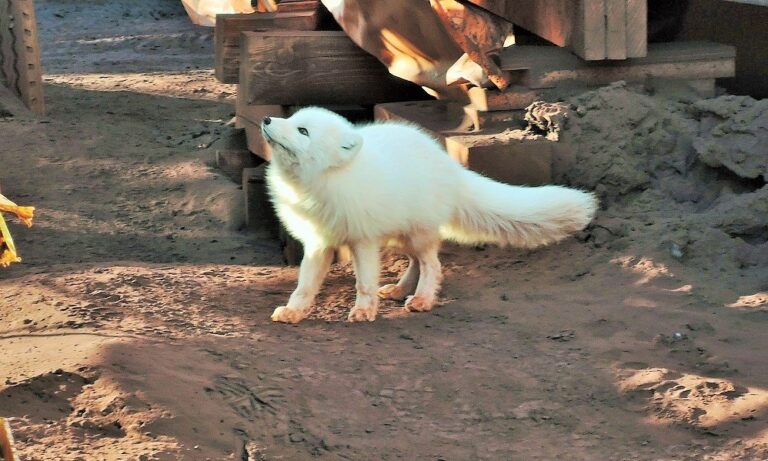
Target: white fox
(333,184)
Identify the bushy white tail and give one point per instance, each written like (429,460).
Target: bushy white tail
(492,212)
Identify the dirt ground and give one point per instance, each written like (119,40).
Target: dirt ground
(137,326)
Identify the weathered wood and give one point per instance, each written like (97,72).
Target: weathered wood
(637,28)
(483,119)
(233,162)
(576,24)
(616,29)
(295,6)
(479,33)
(20,53)
(229,27)
(548,66)
(303,68)
(513,98)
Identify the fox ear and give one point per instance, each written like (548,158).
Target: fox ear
(351,142)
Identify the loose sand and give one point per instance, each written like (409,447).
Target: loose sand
(138,328)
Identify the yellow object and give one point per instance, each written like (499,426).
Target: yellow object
(8,253)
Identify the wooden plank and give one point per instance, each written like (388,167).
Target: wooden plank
(229,27)
(616,29)
(590,30)
(548,66)
(637,28)
(296,6)
(260,215)
(575,24)
(513,98)
(20,53)
(312,67)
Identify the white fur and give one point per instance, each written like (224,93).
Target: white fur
(390,183)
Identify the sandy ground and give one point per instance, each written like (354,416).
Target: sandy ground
(137,327)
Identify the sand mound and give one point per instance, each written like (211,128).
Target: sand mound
(684,176)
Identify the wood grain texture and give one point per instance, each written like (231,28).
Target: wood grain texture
(637,28)
(324,68)
(548,66)
(616,29)
(229,27)
(575,24)
(297,6)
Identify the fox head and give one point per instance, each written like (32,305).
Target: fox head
(312,140)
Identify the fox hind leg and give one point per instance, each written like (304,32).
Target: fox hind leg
(405,286)
(426,249)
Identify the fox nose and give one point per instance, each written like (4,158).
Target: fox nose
(267,120)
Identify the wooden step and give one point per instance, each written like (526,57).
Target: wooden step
(549,66)
(497,151)
(230,26)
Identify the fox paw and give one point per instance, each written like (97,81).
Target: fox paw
(362,314)
(289,315)
(418,304)
(392,291)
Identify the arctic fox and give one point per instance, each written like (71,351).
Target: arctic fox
(333,184)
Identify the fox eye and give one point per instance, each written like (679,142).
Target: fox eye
(303,131)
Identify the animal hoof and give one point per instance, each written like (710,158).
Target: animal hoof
(418,304)
(288,315)
(392,291)
(362,314)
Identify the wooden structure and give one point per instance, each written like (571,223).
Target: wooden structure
(229,27)
(282,64)
(20,69)
(593,29)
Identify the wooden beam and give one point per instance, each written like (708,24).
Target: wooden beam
(548,66)
(229,27)
(312,67)
(576,24)
(616,29)
(295,6)
(513,98)
(637,28)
